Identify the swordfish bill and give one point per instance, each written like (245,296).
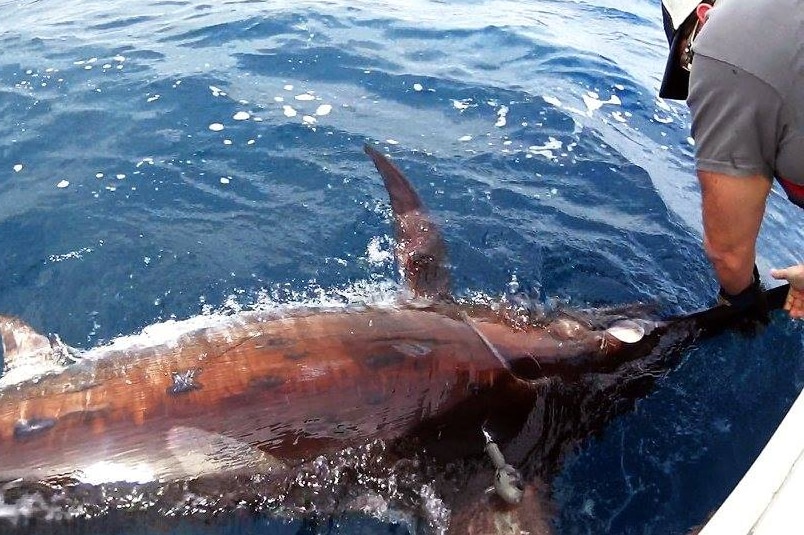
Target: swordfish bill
(260,391)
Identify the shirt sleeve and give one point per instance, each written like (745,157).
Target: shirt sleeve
(736,119)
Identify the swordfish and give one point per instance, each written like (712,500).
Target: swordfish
(260,391)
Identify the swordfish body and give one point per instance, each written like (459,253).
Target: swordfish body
(259,391)
(276,389)
(285,386)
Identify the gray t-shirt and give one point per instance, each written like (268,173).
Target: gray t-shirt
(747,89)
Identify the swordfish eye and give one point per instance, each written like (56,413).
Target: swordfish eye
(627,331)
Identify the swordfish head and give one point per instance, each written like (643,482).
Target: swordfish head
(584,367)
(566,345)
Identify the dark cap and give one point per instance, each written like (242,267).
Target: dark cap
(676,80)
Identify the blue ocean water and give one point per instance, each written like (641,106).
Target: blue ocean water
(162,159)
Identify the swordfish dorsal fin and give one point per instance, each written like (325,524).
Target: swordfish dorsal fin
(420,250)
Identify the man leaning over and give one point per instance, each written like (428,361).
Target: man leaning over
(740,66)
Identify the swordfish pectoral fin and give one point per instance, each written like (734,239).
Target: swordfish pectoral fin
(420,252)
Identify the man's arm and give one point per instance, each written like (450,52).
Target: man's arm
(733,207)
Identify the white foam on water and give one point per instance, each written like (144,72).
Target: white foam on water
(546,150)
(593,101)
(552,100)
(72,255)
(662,119)
(462,104)
(501,116)
(378,251)
(165,333)
(26,506)
(618,116)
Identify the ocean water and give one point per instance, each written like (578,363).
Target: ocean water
(162,159)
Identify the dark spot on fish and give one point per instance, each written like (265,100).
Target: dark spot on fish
(266,383)
(473,388)
(264,341)
(296,356)
(25,428)
(384,360)
(184,382)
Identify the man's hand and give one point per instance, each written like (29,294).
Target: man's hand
(795,297)
(751,303)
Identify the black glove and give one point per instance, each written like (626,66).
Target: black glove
(751,302)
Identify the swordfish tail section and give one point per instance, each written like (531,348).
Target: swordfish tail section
(290,386)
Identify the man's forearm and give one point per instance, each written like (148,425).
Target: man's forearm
(734,268)
(732,209)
